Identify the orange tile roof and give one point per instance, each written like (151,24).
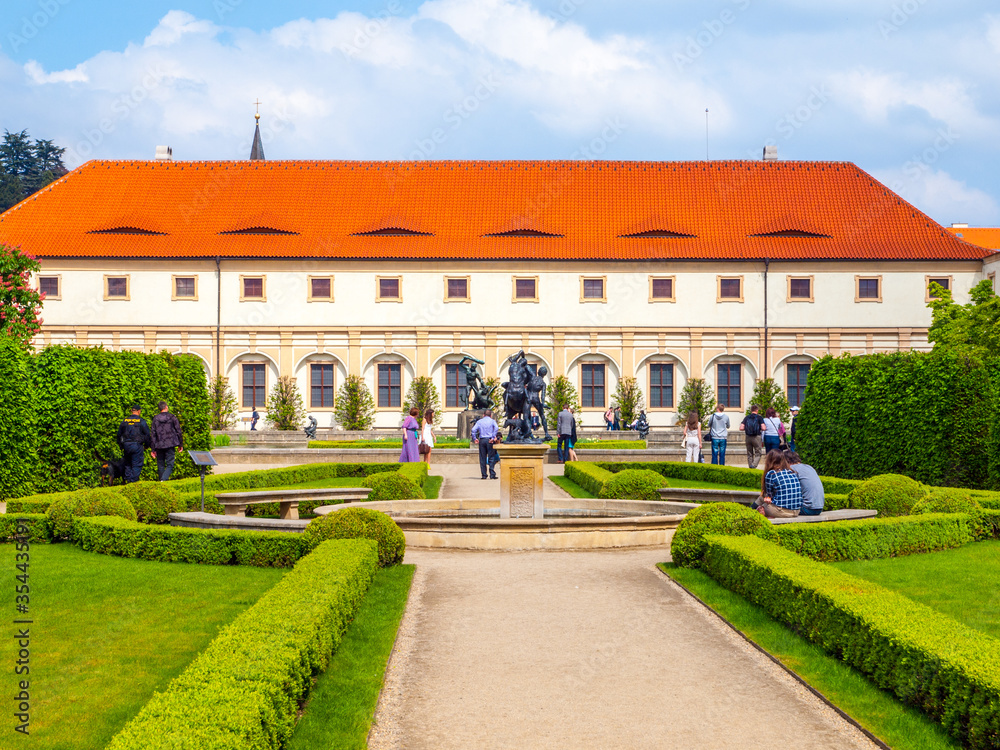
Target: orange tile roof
(323,208)
(988,237)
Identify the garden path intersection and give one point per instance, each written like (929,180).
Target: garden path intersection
(589,649)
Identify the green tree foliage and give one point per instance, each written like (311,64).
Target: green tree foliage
(26,166)
(422,394)
(285,410)
(18,429)
(696,396)
(224,406)
(768,395)
(972,329)
(561,393)
(628,398)
(20,303)
(496,395)
(355,407)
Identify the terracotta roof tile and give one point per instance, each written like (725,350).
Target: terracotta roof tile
(988,237)
(591,204)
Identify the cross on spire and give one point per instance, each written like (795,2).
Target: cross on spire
(257,115)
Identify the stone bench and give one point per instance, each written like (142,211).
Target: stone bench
(846,514)
(690,495)
(235,503)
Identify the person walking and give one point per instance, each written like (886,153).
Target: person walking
(618,419)
(564,433)
(718,426)
(570,452)
(133,438)
(427,436)
(484,433)
(167,440)
(692,438)
(411,428)
(254,416)
(609,419)
(774,430)
(813,494)
(791,430)
(752,426)
(780,488)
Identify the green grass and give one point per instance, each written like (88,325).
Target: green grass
(961,583)
(108,631)
(443,442)
(432,486)
(570,486)
(610,445)
(576,490)
(340,710)
(899,726)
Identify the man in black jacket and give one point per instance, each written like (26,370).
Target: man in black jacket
(133,438)
(167,440)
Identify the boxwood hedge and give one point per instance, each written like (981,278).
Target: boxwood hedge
(589,476)
(36,523)
(732,475)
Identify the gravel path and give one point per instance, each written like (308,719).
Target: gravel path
(582,650)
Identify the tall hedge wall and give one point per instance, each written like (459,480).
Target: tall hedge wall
(75,398)
(924,415)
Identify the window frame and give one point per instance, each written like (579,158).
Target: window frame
(858,278)
(458,387)
(128,287)
(378,386)
(788,382)
(729,386)
(718,288)
(243,394)
(310,297)
(650,386)
(604,289)
(513,289)
(812,288)
(673,288)
(399,289)
(603,386)
(322,386)
(263,287)
(468,289)
(58,278)
(927,283)
(991,277)
(174,297)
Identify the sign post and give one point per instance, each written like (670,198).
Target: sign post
(203,459)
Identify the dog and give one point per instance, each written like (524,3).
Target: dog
(112,469)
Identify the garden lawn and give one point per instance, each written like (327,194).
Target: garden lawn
(108,631)
(576,490)
(899,726)
(340,710)
(962,583)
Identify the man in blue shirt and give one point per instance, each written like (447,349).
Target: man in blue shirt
(484,433)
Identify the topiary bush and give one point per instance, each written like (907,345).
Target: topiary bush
(889,494)
(153,501)
(359,523)
(946,500)
(95,502)
(391,485)
(688,545)
(634,484)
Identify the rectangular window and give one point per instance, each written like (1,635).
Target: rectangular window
(661,289)
(592,386)
(797,376)
(729,386)
(116,287)
(456,289)
(320,289)
(800,289)
(454,387)
(389,289)
(592,289)
(526,289)
(730,289)
(185,287)
(661,386)
(869,289)
(944,281)
(252,288)
(390,386)
(49,286)
(254,386)
(321,385)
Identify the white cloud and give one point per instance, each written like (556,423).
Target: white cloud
(39,76)
(993,32)
(941,196)
(174,26)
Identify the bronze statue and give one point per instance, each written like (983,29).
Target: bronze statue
(479,393)
(310,428)
(522,392)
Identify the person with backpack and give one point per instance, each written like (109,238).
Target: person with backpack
(718,429)
(167,440)
(752,426)
(774,430)
(609,418)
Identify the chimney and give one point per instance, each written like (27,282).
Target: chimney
(770,153)
(960,226)
(164,153)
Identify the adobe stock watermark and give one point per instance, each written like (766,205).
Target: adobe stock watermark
(456,115)
(565,10)
(920,164)
(901,14)
(32,25)
(370,29)
(712,29)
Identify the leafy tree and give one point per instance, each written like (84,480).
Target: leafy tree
(496,396)
(20,304)
(696,396)
(11,191)
(972,329)
(355,407)
(768,395)
(628,398)
(223,402)
(422,394)
(561,393)
(27,167)
(284,406)
(17,156)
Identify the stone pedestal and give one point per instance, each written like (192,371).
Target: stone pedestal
(521,480)
(466,419)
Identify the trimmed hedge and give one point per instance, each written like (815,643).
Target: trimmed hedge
(889,494)
(589,476)
(107,501)
(154,501)
(634,484)
(873,538)
(359,523)
(392,485)
(36,503)
(37,523)
(263,478)
(925,658)
(117,536)
(688,544)
(245,688)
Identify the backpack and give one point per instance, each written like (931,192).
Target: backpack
(752,425)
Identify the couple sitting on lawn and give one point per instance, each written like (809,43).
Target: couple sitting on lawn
(789,487)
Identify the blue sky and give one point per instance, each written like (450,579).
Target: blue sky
(907,89)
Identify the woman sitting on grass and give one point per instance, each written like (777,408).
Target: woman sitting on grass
(781,491)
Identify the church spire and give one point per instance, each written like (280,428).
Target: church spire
(257,150)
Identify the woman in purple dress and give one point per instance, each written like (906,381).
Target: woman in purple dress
(411,429)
